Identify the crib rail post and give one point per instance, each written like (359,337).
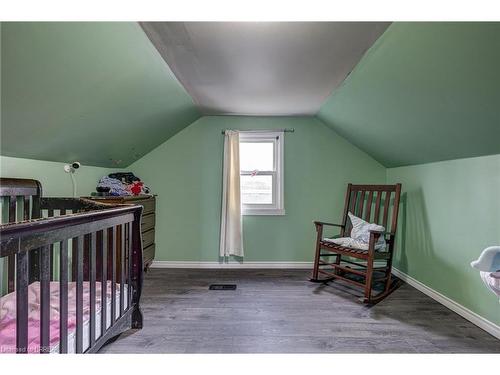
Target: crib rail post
(63,297)
(11,262)
(129,257)
(74,256)
(22,303)
(112,248)
(122,268)
(34,256)
(45,299)
(92,271)
(79,295)
(104,280)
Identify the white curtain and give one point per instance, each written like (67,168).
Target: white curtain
(231,239)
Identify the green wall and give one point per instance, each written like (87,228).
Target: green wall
(186,173)
(425,92)
(55,182)
(450,213)
(98,92)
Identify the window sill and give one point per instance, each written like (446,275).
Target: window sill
(263,212)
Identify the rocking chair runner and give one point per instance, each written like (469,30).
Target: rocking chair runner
(366,202)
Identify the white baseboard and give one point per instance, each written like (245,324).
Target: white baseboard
(231,265)
(471,316)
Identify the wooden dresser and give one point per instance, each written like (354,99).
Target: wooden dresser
(148,220)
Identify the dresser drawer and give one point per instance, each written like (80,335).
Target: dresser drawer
(147,222)
(148,238)
(148,205)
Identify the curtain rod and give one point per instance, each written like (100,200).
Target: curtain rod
(289,130)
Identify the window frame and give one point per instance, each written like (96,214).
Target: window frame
(276,208)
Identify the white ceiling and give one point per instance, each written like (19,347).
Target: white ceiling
(262,68)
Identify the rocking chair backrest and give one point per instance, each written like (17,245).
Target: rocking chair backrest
(372,203)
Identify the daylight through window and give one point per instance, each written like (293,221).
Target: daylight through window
(261,173)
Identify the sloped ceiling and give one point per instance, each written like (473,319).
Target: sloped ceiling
(425,92)
(95,92)
(101,93)
(262,68)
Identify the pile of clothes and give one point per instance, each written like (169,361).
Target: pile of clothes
(121,184)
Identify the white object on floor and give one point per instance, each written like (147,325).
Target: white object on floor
(492,282)
(489,260)
(488,265)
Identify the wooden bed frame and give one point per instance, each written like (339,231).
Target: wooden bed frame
(105,244)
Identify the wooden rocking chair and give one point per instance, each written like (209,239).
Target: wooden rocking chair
(366,202)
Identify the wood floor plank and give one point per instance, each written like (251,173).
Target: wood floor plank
(279,311)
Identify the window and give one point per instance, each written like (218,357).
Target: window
(261,173)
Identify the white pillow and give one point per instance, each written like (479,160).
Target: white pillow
(360,235)
(361,229)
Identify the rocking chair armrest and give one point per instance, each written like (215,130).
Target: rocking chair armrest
(330,224)
(378,233)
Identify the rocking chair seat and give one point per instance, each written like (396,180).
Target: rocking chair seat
(349,251)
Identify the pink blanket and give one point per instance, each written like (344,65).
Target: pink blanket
(8,314)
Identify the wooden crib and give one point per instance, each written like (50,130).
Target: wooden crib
(70,271)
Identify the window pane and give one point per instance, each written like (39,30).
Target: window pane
(256,189)
(256,156)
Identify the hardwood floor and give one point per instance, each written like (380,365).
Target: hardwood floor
(279,311)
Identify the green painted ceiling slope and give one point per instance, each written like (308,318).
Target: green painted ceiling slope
(97,92)
(424,92)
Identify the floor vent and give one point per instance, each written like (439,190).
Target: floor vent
(222,287)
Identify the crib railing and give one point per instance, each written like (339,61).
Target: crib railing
(76,240)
